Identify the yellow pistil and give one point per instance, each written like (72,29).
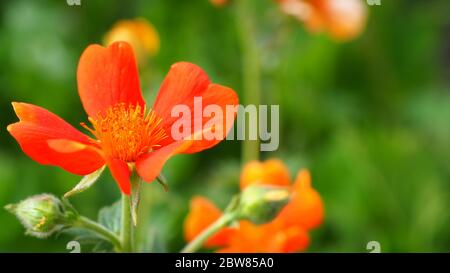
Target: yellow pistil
(40,223)
(127,131)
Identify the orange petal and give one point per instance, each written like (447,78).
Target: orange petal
(306,207)
(303,180)
(203,213)
(219,3)
(270,172)
(267,238)
(37,130)
(121,173)
(343,19)
(108,76)
(66,146)
(251,238)
(150,165)
(222,98)
(293,239)
(253,172)
(183,83)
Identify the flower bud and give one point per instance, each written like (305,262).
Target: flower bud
(261,204)
(139,33)
(41,215)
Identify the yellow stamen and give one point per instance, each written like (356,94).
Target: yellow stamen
(276,195)
(40,223)
(127,131)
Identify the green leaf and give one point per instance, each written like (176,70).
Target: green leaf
(111,216)
(85,183)
(82,235)
(89,240)
(102,247)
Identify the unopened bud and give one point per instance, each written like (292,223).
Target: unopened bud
(41,215)
(261,204)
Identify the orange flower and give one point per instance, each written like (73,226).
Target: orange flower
(271,172)
(219,3)
(128,134)
(288,232)
(343,19)
(139,33)
(202,214)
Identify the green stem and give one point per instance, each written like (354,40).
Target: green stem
(198,242)
(126,229)
(251,74)
(100,230)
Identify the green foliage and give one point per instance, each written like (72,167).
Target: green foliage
(111,216)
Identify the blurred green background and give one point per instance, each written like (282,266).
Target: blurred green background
(370,118)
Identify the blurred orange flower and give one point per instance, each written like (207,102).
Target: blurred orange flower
(139,33)
(342,19)
(288,232)
(271,172)
(219,3)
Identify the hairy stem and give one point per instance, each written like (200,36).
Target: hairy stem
(126,228)
(100,230)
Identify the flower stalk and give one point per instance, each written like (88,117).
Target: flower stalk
(251,74)
(100,230)
(126,226)
(198,242)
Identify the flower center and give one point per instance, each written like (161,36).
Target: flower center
(127,131)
